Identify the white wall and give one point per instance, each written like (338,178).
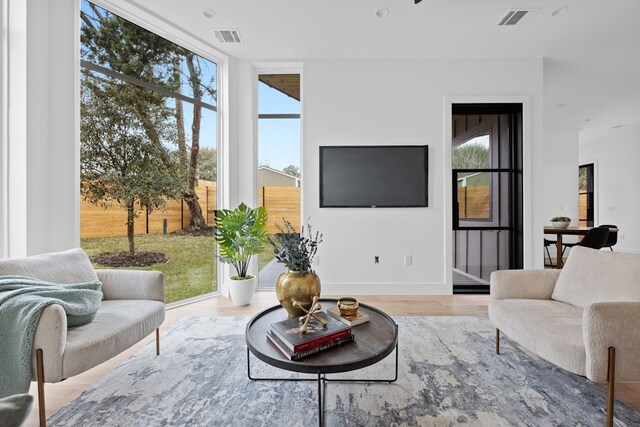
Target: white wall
(401,102)
(53,110)
(13,110)
(561,174)
(616,153)
(42,108)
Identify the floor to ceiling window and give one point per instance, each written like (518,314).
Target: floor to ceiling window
(148,158)
(278,161)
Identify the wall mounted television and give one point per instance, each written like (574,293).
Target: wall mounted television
(378,176)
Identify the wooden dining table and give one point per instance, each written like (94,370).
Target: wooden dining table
(559,232)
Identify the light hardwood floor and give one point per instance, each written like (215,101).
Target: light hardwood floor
(58,395)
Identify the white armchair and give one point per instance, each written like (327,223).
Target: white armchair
(583,318)
(132,308)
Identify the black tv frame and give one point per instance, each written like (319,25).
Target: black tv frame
(426,177)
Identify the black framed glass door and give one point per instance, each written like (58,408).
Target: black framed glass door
(487,193)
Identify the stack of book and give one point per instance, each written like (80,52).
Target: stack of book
(288,338)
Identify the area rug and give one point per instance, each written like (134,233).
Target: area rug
(449,375)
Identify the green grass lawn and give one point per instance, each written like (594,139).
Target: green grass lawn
(191,270)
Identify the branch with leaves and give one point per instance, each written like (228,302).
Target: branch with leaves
(295,250)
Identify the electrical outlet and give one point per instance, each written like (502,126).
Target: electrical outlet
(376,259)
(408,259)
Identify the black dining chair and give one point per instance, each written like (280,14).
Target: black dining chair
(613,236)
(548,243)
(595,238)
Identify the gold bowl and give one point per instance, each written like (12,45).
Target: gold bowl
(348,306)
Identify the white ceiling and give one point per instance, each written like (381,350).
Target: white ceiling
(592,52)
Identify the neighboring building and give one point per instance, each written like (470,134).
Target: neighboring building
(269,177)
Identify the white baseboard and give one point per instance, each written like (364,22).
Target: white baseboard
(385,288)
(626,251)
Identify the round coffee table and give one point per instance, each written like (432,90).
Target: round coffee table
(374,340)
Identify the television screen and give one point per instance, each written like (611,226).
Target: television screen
(374,176)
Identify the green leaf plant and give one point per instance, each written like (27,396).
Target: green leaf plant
(295,250)
(240,234)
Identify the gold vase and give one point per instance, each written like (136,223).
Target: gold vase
(296,286)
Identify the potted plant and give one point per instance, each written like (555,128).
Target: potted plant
(240,234)
(296,251)
(560,221)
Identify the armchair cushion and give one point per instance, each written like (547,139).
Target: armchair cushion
(549,328)
(118,325)
(591,276)
(529,284)
(72,266)
(132,284)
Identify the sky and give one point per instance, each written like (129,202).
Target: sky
(278,139)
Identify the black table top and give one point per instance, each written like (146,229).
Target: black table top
(374,340)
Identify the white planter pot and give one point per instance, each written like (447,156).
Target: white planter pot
(242,290)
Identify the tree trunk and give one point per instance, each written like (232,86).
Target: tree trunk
(131,217)
(196,221)
(182,140)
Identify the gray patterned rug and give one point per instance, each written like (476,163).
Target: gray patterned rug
(449,375)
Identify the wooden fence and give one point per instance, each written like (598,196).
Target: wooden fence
(474,202)
(280,202)
(95,221)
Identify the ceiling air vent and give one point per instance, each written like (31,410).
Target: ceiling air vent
(228,36)
(515,16)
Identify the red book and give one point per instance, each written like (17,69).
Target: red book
(290,355)
(289,332)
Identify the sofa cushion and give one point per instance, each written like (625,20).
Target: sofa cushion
(72,266)
(551,329)
(118,325)
(591,275)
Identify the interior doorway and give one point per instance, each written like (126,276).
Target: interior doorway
(586,195)
(487,188)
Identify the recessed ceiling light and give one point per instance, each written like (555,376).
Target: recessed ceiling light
(382,12)
(209,13)
(561,105)
(560,11)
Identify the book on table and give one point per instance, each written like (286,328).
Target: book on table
(357,319)
(289,332)
(295,356)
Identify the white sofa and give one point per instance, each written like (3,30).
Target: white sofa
(584,318)
(132,308)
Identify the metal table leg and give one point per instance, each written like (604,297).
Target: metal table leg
(320,399)
(322,380)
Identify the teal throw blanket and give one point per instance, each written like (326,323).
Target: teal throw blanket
(22,300)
